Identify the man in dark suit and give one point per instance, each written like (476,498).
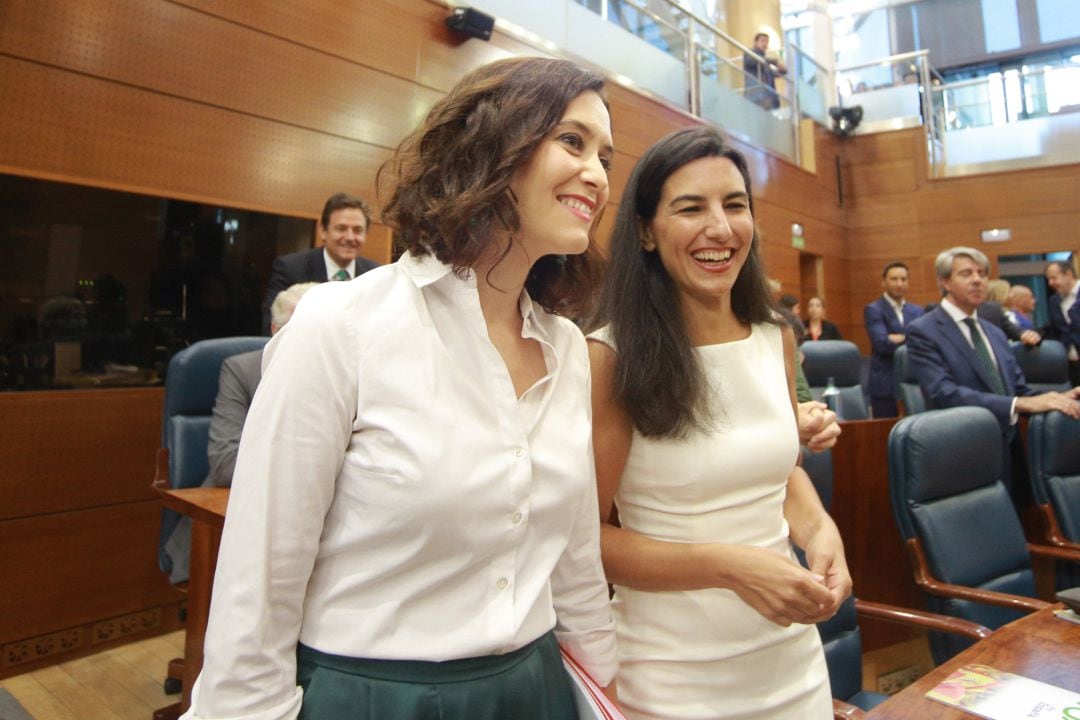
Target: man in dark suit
(343,228)
(1065,312)
(961,359)
(886,319)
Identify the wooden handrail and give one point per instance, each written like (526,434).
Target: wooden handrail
(845,711)
(1058,553)
(925,580)
(1054,536)
(920,618)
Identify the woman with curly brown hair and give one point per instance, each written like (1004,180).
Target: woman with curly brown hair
(413,525)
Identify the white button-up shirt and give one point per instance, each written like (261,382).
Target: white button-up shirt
(394,499)
(332,267)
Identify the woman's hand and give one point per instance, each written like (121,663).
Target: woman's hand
(775,586)
(818,429)
(825,555)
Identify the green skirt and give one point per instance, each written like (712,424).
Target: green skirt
(526,684)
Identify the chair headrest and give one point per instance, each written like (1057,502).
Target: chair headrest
(1043,363)
(902,366)
(941,453)
(191,384)
(1058,443)
(836,359)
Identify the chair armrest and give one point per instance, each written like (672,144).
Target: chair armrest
(845,711)
(925,580)
(1053,529)
(1058,553)
(920,618)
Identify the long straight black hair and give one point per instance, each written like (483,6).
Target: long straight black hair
(658,379)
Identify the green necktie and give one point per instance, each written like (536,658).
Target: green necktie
(983,354)
(342,275)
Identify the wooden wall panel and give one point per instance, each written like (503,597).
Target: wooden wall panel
(69,126)
(68,569)
(77,449)
(913,224)
(220,64)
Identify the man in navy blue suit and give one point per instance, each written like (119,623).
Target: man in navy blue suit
(343,228)
(1065,312)
(962,360)
(886,321)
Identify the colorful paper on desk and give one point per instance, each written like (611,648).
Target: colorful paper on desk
(589,698)
(996,695)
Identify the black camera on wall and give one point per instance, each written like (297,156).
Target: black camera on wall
(845,119)
(471,23)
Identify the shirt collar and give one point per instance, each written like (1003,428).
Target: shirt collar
(427,269)
(954,312)
(332,267)
(897,305)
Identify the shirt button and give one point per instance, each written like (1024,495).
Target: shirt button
(502,583)
(519,451)
(515,518)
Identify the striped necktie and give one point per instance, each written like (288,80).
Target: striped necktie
(983,354)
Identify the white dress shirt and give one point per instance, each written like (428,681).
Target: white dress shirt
(1066,304)
(959,316)
(897,307)
(332,267)
(394,499)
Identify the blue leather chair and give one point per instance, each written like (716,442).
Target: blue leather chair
(839,360)
(191,387)
(1054,460)
(1045,366)
(908,391)
(958,520)
(840,635)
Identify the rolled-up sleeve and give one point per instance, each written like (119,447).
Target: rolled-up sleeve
(584,625)
(291,451)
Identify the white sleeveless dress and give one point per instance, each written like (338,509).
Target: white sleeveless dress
(705,654)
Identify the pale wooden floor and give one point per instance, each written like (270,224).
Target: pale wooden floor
(124,683)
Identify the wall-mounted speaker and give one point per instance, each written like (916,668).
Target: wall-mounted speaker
(471,23)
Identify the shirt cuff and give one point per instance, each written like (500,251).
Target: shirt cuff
(288,709)
(594,650)
(1013,415)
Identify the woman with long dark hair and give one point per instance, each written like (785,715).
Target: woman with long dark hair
(413,521)
(696,446)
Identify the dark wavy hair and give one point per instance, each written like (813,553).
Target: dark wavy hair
(658,379)
(452,175)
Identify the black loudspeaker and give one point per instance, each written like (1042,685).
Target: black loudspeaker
(471,23)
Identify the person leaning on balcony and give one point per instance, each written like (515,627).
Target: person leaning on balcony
(761,76)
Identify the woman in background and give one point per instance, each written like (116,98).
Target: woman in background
(817,327)
(413,511)
(696,445)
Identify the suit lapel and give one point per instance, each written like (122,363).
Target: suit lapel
(952,332)
(316,266)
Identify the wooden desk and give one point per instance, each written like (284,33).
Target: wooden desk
(206,508)
(1039,646)
(862,509)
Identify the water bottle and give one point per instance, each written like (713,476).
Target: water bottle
(831,397)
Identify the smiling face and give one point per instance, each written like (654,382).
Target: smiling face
(703,229)
(966,285)
(344,235)
(563,185)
